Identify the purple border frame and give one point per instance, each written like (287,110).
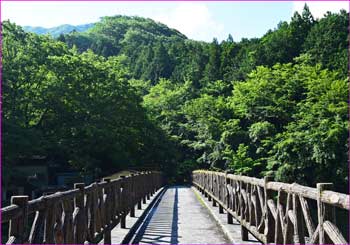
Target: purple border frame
(1,74)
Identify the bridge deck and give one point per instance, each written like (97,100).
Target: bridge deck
(179,217)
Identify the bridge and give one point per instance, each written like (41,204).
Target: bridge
(217,208)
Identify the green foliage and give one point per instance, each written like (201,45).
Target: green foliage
(314,145)
(212,69)
(66,106)
(241,163)
(260,130)
(285,43)
(327,42)
(142,40)
(269,95)
(131,91)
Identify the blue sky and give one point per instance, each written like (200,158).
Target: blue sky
(197,20)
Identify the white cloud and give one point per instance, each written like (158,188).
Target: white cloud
(194,20)
(318,8)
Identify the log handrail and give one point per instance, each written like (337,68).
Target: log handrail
(275,212)
(83,214)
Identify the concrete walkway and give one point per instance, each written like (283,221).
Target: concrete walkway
(179,218)
(233,231)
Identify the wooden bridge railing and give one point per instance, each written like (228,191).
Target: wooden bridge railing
(82,215)
(276,212)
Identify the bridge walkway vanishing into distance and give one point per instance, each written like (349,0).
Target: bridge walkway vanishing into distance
(218,208)
(179,216)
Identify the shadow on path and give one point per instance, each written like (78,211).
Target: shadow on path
(161,224)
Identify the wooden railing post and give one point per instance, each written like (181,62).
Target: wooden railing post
(93,223)
(208,187)
(50,214)
(144,188)
(58,224)
(269,219)
(148,184)
(244,233)
(36,233)
(139,191)
(221,209)
(154,183)
(79,226)
(139,204)
(278,224)
(322,211)
(299,236)
(123,217)
(229,200)
(221,194)
(242,206)
(132,208)
(107,226)
(214,186)
(68,222)
(229,218)
(17,231)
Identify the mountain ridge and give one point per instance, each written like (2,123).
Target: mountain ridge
(68,28)
(58,30)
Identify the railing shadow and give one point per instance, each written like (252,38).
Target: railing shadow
(174,228)
(161,225)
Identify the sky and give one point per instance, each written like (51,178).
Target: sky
(197,20)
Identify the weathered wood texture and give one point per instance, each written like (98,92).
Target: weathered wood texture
(275,212)
(82,215)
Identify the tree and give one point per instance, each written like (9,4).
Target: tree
(161,66)
(327,42)
(212,69)
(76,109)
(313,147)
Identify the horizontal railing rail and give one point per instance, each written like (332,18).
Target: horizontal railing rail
(83,214)
(276,212)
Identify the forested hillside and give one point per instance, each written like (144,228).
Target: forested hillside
(132,92)
(58,30)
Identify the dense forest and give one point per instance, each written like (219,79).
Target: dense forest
(131,92)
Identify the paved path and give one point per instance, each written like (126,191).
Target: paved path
(233,231)
(118,234)
(179,217)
